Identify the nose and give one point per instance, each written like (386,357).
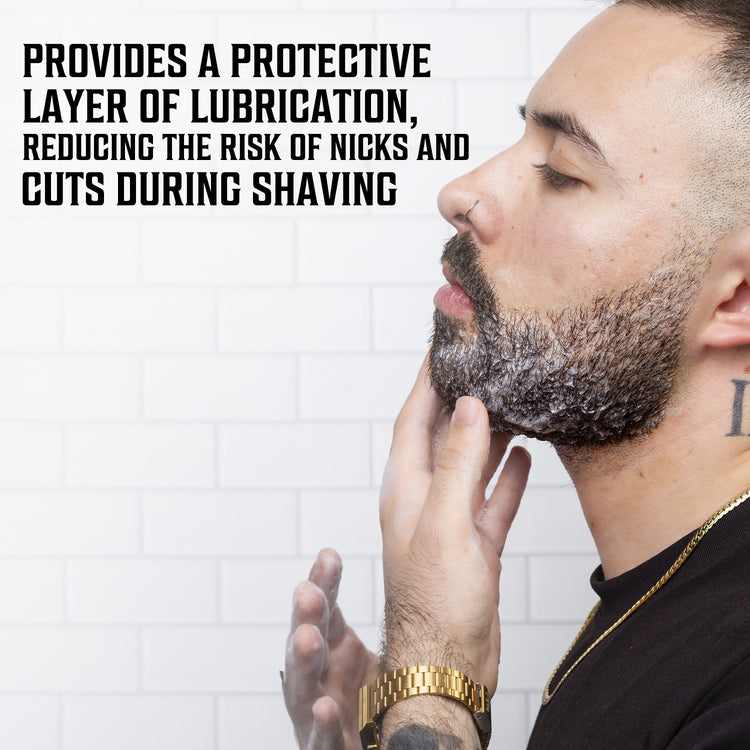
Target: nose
(471,202)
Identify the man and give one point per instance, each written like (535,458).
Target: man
(599,298)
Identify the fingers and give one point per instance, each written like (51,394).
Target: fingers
(412,431)
(460,464)
(408,470)
(498,445)
(327,733)
(310,605)
(303,665)
(439,434)
(307,650)
(502,505)
(326,574)
(336,627)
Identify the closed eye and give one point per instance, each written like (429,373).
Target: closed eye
(555,179)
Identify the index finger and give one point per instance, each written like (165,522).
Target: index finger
(412,430)
(409,466)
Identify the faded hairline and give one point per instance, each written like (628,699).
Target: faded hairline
(721,174)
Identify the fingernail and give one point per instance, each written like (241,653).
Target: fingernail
(467,411)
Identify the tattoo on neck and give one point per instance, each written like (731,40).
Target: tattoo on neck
(419,737)
(739,395)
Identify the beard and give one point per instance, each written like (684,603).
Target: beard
(591,375)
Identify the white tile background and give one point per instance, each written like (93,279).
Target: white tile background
(193,401)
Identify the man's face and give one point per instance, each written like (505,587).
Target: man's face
(581,267)
(594,374)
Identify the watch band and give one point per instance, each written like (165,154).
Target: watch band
(391,687)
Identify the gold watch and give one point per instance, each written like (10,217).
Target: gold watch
(391,687)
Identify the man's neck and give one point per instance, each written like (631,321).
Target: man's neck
(642,495)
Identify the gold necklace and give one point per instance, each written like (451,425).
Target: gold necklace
(692,544)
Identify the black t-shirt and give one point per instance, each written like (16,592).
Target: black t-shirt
(676,674)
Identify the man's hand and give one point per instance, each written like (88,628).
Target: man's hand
(326,663)
(442,539)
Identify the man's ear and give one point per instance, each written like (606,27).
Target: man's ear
(730,322)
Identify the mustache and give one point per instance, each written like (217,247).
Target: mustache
(461,254)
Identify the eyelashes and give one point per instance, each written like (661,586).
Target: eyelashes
(556,180)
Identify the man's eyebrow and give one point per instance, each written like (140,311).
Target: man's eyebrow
(567,125)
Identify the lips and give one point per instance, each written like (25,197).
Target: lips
(452,299)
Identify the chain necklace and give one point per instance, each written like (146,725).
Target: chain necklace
(692,544)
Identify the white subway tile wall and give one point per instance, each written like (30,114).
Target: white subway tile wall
(195,400)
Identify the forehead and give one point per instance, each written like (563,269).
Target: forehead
(631,74)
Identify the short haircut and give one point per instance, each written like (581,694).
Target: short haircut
(726,189)
(731,18)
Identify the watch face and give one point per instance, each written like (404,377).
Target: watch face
(369,737)
(483,721)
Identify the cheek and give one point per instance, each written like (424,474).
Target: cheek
(567,252)
(562,254)
(599,250)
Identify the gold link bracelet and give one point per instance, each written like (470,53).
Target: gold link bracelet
(399,684)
